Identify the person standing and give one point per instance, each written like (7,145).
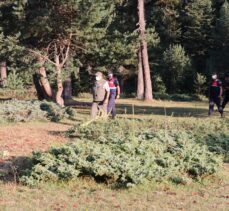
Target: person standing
(215,95)
(101,92)
(114,93)
(226,91)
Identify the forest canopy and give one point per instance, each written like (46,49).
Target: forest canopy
(187,40)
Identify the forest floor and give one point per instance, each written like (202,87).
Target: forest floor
(21,139)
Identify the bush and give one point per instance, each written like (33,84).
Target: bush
(200,84)
(176,64)
(24,111)
(158,85)
(124,153)
(14,81)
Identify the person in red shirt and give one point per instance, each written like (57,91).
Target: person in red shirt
(114,93)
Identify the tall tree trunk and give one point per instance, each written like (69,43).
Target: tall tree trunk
(3,74)
(145,59)
(140,89)
(45,83)
(60,88)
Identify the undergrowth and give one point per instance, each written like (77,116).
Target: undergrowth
(127,152)
(33,110)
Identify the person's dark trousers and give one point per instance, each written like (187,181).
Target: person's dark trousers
(225,101)
(217,101)
(111,104)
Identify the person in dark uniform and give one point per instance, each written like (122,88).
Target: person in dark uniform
(215,95)
(226,91)
(114,93)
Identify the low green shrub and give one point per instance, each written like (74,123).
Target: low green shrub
(24,111)
(161,96)
(124,153)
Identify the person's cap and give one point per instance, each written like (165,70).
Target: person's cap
(99,74)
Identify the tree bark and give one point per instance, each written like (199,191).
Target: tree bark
(140,88)
(60,88)
(45,83)
(145,58)
(3,74)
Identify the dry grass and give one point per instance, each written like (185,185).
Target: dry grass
(84,194)
(22,138)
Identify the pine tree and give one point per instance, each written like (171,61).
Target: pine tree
(221,51)
(176,65)
(165,16)
(197,26)
(55,30)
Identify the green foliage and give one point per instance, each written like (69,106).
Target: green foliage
(176,65)
(19,62)
(24,111)
(124,153)
(198,24)
(105,35)
(159,85)
(165,16)
(200,84)
(14,81)
(220,52)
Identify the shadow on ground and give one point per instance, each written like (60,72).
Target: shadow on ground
(170,111)
(157,110)
(11,169)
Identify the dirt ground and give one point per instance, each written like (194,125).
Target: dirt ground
(22,138)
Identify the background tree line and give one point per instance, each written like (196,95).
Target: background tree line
(187,40)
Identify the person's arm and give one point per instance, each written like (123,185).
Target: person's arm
(118,88)
(118,92)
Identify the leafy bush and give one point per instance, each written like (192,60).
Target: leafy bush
(176,64)
(23,111)
(14,81)
(158,85)
(200,84)
(124,153)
